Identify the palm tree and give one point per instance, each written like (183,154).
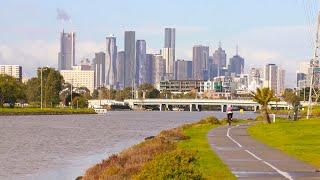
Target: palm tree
(264,96)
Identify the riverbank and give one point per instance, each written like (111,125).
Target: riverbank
(299,139)
(182,153)
(44,111)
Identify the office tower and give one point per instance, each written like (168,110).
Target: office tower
(99,67)
(220,57)
(182,69)
(79,78)
(168,51)
(271,77)
(149,68)
(66,55)
(189,70)
(130,56)
(281,81)
(11,70)
(236,65)
(120,69)
(159,65)
(254,80)
(200,62)
(300,78)
(111,61)
(141,63)
(304,67)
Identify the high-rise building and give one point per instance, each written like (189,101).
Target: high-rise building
(301,77)
(111,61)
(85,64)
(99,65)
(158,68)
(271,77)
(149,68)
(236,65)
(168,51)
(220,57)
(130,56)
(120,69)
(254,80)
(200,62)
(281,81)
(11,70)
(141,63)
(79,78)
(182,69)
(66,55)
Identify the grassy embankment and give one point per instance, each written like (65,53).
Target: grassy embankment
(44,111)
(180,153)
(300,139)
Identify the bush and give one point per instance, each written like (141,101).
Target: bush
(259,118)
(173,135)
(210,120)
(178,164)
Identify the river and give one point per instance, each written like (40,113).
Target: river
(63,147)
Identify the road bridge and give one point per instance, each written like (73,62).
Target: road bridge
(200,102)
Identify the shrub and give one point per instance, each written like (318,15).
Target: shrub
(173,135)
(210,120)
(178,164)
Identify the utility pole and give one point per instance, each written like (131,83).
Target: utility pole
(314,73)
(41,88)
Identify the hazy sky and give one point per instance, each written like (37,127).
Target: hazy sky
(277,31)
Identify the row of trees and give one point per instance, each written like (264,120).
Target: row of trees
(54,90)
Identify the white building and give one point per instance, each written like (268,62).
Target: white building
(11,70)
(274,78)
(79,78)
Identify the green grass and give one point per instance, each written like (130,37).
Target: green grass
(210,164)
(300,139)
(35,111)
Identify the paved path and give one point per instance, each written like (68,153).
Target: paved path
(250,159)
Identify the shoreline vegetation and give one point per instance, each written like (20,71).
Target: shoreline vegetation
(44,111)
(299,139)
(179,153)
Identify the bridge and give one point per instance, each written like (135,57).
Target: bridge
(200,102)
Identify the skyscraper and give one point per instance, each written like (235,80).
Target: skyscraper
(99,65)
(66,55)
(200,62)
(236,65)
(141,63)
(149,68)
(281,81)
(182,69)
(111,60)
(168,51)
(271,77)
(129,56)
(220,57)
(120,69)
(158,68)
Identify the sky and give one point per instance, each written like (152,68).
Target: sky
(266,31)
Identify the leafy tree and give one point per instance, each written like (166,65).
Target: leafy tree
(149,90)
(11,90)
(80,101)
(293,99)
(264,96)
(95,94)
(33,90)
(165,94)
(52,87)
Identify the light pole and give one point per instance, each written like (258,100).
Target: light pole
(41,88)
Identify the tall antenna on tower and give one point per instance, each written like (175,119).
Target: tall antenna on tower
(314,73)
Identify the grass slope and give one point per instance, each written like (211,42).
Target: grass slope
(300,139)
(210,165)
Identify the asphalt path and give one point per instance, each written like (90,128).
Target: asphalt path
(250,159)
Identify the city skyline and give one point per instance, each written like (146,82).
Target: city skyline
(290,29)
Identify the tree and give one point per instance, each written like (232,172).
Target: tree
(11,90)
(80,102)
(264,96)
(33,90)
(52,87)
(149,90)
(293,99)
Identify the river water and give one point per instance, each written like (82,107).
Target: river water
(63,147)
